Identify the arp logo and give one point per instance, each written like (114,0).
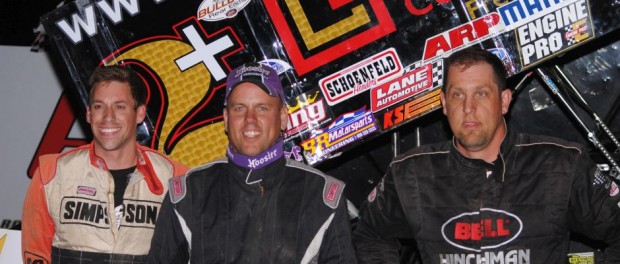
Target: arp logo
(462,36)
(488,227)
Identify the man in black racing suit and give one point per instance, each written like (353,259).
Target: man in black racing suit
(256,206)
(489,195)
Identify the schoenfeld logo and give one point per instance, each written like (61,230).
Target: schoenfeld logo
(475,231)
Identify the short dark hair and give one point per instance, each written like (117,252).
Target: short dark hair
(471,56)
(118,73)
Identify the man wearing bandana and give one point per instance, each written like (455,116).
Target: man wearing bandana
(255,206)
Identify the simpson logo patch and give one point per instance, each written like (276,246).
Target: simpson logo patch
(90,191)
(372,195)
(613,189)
(177,188)
(81,211)
(332,192)
(495,227)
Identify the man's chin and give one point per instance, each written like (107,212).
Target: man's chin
(471,144)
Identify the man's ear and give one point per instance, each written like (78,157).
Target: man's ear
(283,117)
(140,114)
(88,114)
(506,99)
(225,116)
(442,97)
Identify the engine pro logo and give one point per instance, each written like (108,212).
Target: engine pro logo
(486,229)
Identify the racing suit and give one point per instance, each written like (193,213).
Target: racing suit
(519,209)
(285,212)
(69,217)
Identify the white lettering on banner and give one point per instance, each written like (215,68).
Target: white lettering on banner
(298,120)
(204,53)
(361,76)
(543,36)
(115,14)
(517,12)
(517,256)
(88,23)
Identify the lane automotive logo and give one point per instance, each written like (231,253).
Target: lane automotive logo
(410,84)
(361,76)
(495,227)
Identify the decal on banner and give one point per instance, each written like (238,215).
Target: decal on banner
(183,82)
(504,56)
(88,23)
(312,46)
(413,9)
(462,36)
(279,65)
(519,12)
(554,32)
(56,137)
(412,109)
(361,76)
(345,130)
(308,113)
(293,153)
(410,84)
(216,10)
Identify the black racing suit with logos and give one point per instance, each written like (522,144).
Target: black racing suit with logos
(520,209)
(286,212)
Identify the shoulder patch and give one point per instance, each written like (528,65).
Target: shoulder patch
(332,191)
(177,188)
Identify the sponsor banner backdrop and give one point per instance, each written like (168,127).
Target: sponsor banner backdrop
(375,64)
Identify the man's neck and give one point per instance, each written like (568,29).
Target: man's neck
(117,159)
(491,151)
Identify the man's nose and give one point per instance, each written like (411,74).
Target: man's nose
(250,115)
(108,114)
(469,105)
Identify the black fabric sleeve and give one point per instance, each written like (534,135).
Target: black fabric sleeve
(337,246)
(382,223)
(169,244)
(593,208)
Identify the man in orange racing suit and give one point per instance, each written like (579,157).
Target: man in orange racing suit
(98,203)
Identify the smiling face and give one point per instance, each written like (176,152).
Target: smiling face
(475,108)
(253,119)
(113,117)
